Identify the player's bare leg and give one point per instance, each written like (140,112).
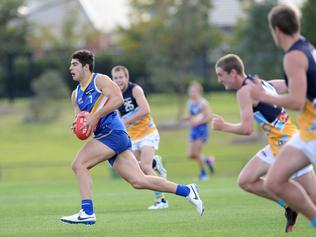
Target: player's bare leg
(91,154)
(127,167)
(278,181)
(146,159)
(195,152)
(250,178)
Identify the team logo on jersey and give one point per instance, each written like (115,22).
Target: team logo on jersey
(128,104)
(80,101)
(89,92)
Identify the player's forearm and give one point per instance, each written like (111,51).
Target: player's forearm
(236,129)
(113,104)
(286,101)
(135,117)
(279,85)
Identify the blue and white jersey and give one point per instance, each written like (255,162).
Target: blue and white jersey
(199,132)
(89,98)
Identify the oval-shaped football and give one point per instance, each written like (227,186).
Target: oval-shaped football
(81,130)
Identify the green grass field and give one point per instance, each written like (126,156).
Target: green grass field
(37,186)
(34,208)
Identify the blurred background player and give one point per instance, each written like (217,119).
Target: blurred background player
(272,119)
(135,113)
(199,116)
(299,64)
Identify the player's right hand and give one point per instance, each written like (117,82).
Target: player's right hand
(218,123)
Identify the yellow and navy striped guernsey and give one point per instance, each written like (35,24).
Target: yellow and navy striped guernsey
(274,120)
(89,98)
(307,118)
(142,127)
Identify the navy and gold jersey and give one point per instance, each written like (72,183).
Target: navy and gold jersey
(89,98)
(307,119)
(142,127)
(273,119)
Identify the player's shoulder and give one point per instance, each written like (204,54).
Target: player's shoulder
(294,60)
(203,101)
(137,89)
(100,76)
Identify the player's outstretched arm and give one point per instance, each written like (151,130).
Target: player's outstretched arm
(245,126)
(295,66)
(279,85)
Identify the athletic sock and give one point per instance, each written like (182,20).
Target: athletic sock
(182,190)
(203,172)
(87,206)
(281,203)
(154,163)
(313,222)
(159,195)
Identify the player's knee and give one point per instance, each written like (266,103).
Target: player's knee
(244,184)
(76,166)
(272,185)
(192,155)
(137,183)
(147,169)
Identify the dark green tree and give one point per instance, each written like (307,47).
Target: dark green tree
(255,44)
(13,35)
(308,17)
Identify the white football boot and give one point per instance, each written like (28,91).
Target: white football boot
(80,218)
(194,198)
(159,205)
(159,167)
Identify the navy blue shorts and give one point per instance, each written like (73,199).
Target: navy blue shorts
(199,133)
(117,140)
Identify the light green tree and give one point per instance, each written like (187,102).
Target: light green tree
(169,37)
(255,45)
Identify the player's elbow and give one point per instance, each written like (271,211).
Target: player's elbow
(119,101)
(246,131)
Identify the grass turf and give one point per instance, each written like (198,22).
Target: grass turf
(33,209)
(37,186)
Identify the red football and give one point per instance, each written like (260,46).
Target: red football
(80,129)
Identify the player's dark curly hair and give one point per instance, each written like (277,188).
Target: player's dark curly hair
(85,57)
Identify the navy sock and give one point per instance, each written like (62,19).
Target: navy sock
(182,190)
(154,163)
(87,206)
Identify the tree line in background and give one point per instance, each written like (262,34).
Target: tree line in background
(167,44)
